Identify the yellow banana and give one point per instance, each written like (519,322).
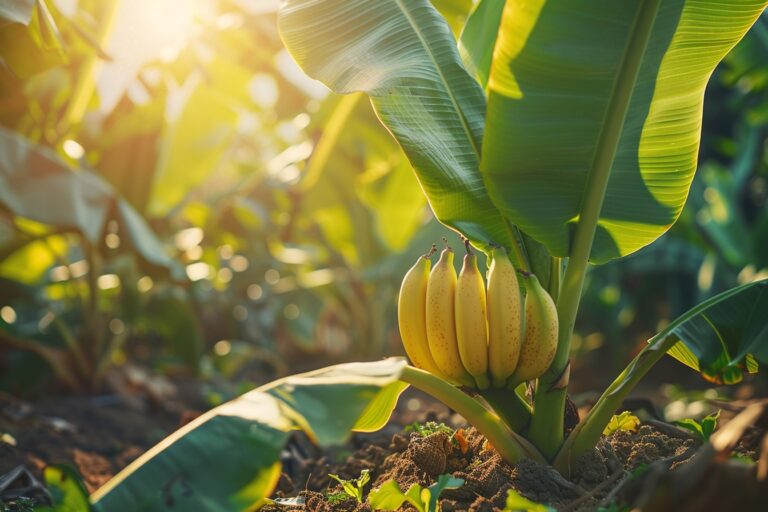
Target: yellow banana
(505,317)
(540,339)
(471,323)
(412,316)
(441,328)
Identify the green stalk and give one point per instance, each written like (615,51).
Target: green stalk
(510,407)
(510,445)
(517,253)
(587,433)
(549,403)
(555,278)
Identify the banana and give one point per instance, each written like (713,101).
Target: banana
(412,316)
(441,327)
(540,339)
(471,324)
(505,317)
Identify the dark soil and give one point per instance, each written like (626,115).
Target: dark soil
(99,436)
(409,458)
(96,436)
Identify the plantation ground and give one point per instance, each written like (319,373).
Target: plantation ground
(100,435)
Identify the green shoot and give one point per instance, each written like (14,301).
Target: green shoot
(624,421)
(429,428)
(704,428)
(22,504)
(390,497)
(519,503)
(354,487)
(335,498)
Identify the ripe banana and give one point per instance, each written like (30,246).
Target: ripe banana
(441,328)
(471,323)
(412,318)
(505,318)
(540,339)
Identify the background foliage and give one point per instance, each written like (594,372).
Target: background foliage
(230,218)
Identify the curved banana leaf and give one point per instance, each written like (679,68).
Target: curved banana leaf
(229,458)
(403,55)
(36,184)
(721,337)
(726,337)
(584,93)
(478,39)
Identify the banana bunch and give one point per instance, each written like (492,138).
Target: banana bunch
(457,329)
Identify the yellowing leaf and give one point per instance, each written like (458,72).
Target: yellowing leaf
(624,421)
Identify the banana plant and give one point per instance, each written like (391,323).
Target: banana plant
(579,139)
(565,132)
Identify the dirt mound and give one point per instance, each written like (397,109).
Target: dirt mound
(411,458)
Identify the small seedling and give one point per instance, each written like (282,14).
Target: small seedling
(337,497)
(390,497)
(429,428)
(519,503)
(22,504)
(354,487)
(704,428)
(624,421)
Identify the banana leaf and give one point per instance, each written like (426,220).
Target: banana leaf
(594,114)
(229,458)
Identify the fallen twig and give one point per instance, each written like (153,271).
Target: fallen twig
(573,505)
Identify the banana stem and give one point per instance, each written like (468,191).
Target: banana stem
(510,445)
(549,400)
(587,433)
(510,407)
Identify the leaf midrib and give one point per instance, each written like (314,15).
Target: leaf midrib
(444,81)
(599,174)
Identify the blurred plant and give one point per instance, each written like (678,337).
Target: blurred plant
(389,496)
(703,428)
(206,132)
(354,488)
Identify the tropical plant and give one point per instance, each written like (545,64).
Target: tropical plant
(571,141)
(217,235)
(389,496)
(355,487)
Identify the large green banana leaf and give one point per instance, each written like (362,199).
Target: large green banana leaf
(229,458)
(607,91)
(721,337)
(728,337)
(35,183)
(403,55)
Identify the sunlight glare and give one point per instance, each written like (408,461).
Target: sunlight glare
(147,30)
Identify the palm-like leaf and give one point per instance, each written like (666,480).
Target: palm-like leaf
(403,55)
(727,337)
(602,99)
(721,337)
(248,433)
